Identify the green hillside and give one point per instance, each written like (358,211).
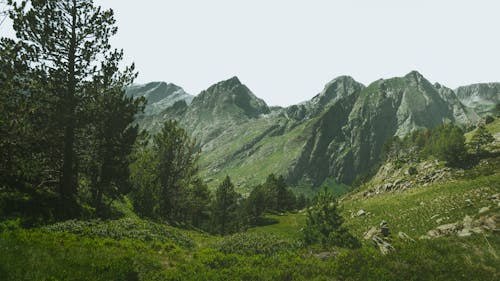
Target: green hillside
(273,252)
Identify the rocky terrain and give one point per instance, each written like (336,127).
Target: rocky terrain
(483,97)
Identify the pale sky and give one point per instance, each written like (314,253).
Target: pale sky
(285,51)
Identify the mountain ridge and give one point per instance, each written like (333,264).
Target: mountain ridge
(337,134)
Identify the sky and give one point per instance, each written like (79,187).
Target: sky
(285,51)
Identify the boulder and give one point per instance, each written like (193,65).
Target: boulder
(384,229)
(484,210)
(382,244)
(360,213)
(405,237)
(370,233)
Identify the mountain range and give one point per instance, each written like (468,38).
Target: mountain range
(336,135)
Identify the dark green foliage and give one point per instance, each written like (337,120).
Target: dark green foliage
(324,224)
(67,47)
(488,119)
(144,177)
(64,99)
(447,142)
(256,204)
(301,202)
(110,138)
(197,207)
(272,196)
(177,155)
(480,139)
(225,209)
(165,185)
(145,231)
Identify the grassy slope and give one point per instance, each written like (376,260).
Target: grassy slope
(63,256)
(271,155)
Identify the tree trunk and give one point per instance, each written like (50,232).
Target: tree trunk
(68,184)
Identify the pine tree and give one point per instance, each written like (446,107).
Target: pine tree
(66,40)
(198,204)
(324,224)
(480,138)
(225,208)
(255,204)
(178,155)
(110,138)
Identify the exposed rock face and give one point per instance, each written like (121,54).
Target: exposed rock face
(225,104)
(337,134)
(347,138)
(159,95)
(163,102)
(481,97)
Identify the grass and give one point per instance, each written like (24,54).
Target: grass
(288,225)
(134,249)
(416,211)
(38,255)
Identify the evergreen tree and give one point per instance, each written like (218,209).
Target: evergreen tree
(66,40)
(144,176)
(255,204)
(301,202)
(109,140)
(176,167)
(198,204)
(447,142)
(324,224)
(29,150)
(480,138)
(225,209)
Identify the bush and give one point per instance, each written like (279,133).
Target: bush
(128,228)
(254,244)
(324,224)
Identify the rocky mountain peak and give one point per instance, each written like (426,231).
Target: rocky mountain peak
(159,95)
(231,96)
(415,75)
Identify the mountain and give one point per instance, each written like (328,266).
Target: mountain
(164,101)
(483,97)
(347,139)
(160,95)
(338,134)
(225,104)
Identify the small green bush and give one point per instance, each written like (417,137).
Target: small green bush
(254,244)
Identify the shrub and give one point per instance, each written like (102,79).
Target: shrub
(128,228)
(324,224)
(254,244)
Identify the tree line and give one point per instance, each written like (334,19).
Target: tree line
(166,187)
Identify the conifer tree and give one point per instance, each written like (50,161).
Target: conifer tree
(176,169)
(66,40)
(480,138)
(225,208)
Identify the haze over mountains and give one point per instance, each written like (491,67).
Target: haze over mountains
(338,134)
